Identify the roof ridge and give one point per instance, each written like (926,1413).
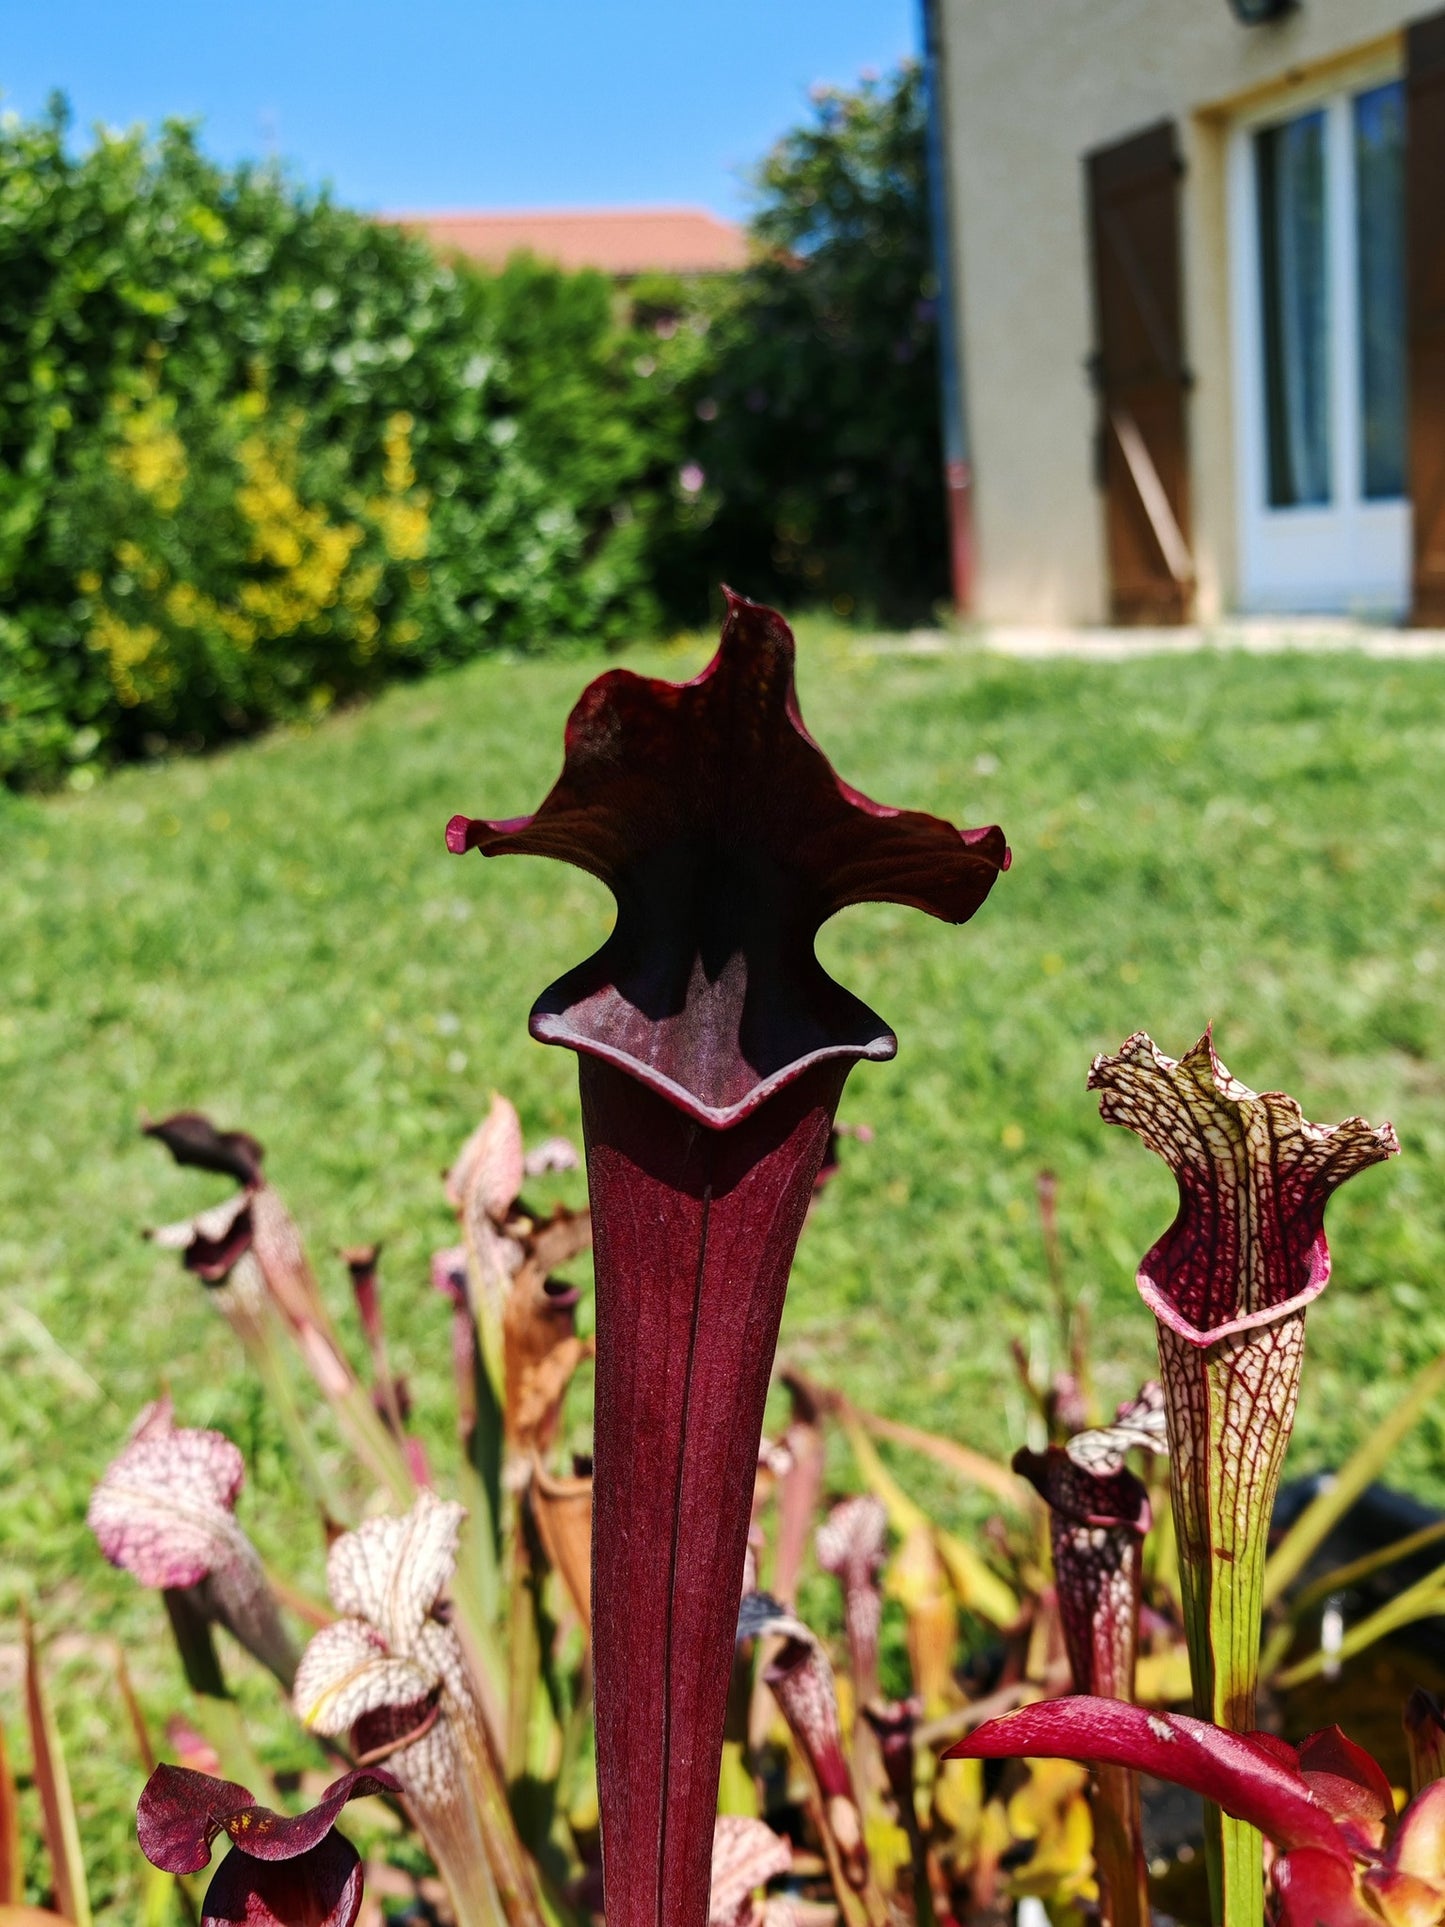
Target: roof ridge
(616,240)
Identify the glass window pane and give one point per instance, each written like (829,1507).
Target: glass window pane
(1380,217)
(1290,181)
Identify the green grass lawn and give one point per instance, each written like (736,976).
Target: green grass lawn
(277,935)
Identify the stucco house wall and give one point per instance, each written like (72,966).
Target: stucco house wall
(1030,87)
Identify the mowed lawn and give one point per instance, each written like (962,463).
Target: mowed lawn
(277,935)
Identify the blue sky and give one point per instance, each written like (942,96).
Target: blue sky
(420,104)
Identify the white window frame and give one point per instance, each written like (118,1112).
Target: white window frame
(1351,555)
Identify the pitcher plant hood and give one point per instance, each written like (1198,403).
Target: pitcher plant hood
(1248,1244)
(726,838)
(164,1510)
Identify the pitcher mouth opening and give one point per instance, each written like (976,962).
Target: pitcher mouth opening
(1169,1314)
(550,1026)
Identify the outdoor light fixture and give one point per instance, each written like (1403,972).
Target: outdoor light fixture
(1253,13)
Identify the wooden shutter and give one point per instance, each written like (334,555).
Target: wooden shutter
(1425,307)
(1140,375)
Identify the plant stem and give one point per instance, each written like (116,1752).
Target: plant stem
(978,1586)
(524,1652)
(1420,1601)
(976,1468)
(455,1837)
(221,1722)
(483,1654)
(52,1782)
(1277,1646)
(371,1442)
(1370,1562)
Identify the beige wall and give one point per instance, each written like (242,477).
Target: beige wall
(1031,86)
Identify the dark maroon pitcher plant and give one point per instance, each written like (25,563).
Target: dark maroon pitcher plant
(713,1050)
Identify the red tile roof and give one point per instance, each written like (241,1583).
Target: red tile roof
(675,240)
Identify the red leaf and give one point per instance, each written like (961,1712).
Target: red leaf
(1234,1770)
(265,1835)
(1348,1782)
(1418,1847)
(1317,1890)
(181,1812)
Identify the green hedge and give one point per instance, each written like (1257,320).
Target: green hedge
(258,454)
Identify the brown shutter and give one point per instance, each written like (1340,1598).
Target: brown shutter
(1425,311)
(1140,374)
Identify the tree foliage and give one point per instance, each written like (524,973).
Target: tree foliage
(817,427)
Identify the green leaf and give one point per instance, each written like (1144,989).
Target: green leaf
(1364,1465)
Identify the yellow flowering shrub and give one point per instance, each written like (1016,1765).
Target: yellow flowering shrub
(248,568)
(138,670)
(401,512)
(147,450)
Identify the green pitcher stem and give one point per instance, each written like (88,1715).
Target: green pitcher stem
(456,1837)
(490,1857)
(524,1655)
(1231,1409)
